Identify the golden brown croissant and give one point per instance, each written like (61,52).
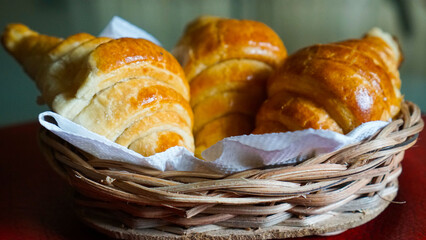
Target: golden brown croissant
(227,63)
(128,90)
(334,86)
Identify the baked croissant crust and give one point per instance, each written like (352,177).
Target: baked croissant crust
(335,86)
(128,90)
(227,63)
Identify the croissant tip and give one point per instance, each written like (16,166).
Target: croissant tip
(13,34)
(391,40)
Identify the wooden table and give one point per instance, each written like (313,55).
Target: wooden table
(35,203)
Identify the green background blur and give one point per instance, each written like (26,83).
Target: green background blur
(299,23)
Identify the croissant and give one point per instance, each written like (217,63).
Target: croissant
(227,63)
(129,90)
(335,86)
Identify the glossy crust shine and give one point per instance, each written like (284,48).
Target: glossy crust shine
(111,86)
(208,40)
(227,63)
(334,86)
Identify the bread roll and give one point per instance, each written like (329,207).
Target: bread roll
(335,86)
(128,90)
(227,63)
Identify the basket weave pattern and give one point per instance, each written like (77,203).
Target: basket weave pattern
(356,178)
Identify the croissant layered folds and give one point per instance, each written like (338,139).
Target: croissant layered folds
(128,90)
(135,93)
(227,63)
(334,86)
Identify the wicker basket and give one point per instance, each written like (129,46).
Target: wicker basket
(328,193)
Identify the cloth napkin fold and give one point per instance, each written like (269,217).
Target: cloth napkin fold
(119,28)
(230,155)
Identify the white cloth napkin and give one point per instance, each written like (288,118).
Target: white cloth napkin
(230,155)
(119,28)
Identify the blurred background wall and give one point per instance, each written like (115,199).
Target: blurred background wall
(298,22)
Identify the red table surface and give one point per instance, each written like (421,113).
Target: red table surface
(35,203)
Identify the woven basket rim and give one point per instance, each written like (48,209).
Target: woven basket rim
(412,112)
